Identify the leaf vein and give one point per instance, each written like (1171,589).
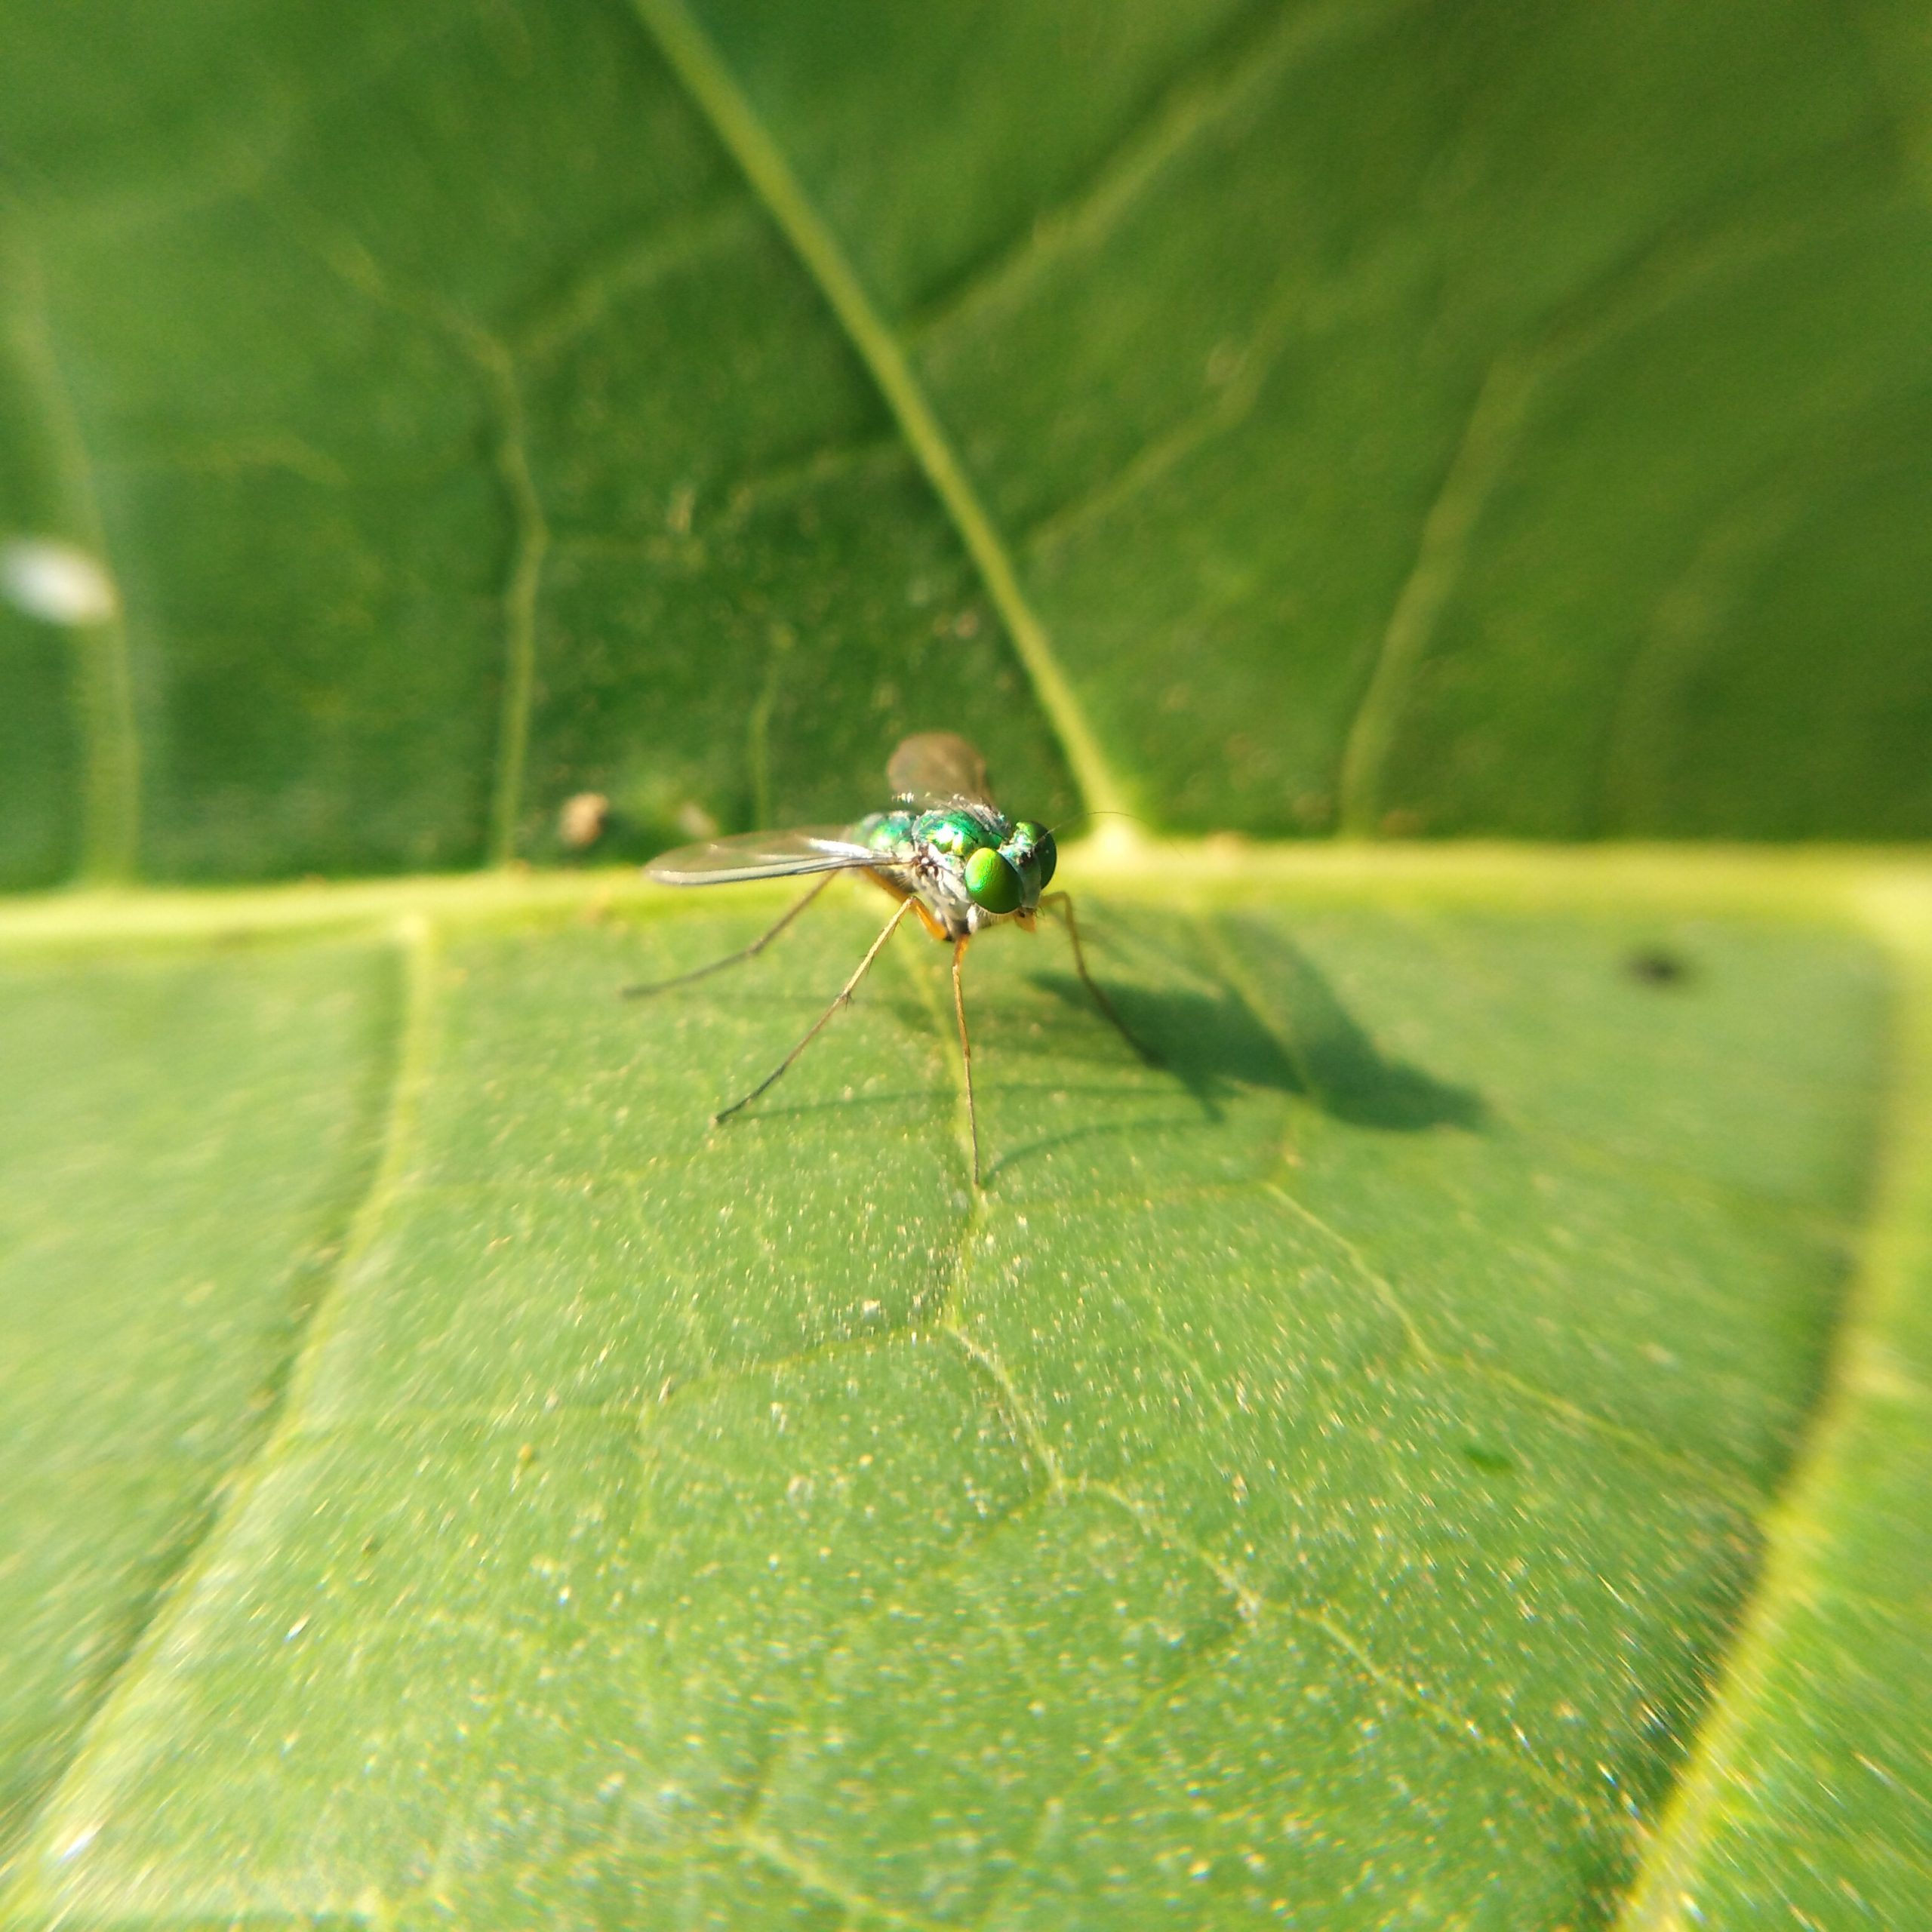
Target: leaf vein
(1883,1316)
(627,268)
(1634,289)
(809,1875)
(492,363)
(692,57)
(1193,106)
(173,1602)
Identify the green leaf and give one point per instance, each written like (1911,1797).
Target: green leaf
(1419,1456)
(1445,1447)
(1407,415)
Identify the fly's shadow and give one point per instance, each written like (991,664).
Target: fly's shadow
(1242,1006)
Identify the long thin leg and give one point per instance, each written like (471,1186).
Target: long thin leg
(1062,905)
(959,946)
(644,990)
(844,994)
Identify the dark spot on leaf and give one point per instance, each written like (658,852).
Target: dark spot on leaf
(1657,966)
(1491,1462)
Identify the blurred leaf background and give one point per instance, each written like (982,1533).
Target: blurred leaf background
(1448,1450)
(1510,419)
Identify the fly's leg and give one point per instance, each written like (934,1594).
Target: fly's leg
(758,946)
(845,996)
(1061,904)
(966,1049)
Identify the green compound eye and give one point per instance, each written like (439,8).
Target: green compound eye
(992,881)
(1045,853)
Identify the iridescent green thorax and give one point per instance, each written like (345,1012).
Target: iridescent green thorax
(966,864)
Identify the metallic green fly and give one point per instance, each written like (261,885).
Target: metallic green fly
(943,850)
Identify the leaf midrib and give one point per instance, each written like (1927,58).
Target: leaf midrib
(1882,892)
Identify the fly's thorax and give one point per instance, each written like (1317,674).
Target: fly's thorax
(948,840)
(959,831)
(932,871)
(889,834)
(968,864)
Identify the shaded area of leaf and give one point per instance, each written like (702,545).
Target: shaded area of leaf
(466,437)
(1578,387)
(1211,1037)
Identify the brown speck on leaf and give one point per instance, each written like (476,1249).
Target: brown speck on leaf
(582,819)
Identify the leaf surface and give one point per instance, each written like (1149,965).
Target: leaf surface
(1327,1474)
(1443,1448)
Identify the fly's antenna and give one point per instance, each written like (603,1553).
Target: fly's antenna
(1097,811)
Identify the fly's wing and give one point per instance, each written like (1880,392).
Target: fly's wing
(935,768)
(748,855)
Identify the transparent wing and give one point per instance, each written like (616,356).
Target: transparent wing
(811,848)
(936,768)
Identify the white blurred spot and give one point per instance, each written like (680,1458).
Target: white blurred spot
(78,1843)
(55,582)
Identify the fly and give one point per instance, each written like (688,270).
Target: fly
(944,850)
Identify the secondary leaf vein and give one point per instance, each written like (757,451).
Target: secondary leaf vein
(1197,105)
(414,939)
(1882,1316)
(494,366)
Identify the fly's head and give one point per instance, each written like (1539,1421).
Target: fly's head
(1009,877)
